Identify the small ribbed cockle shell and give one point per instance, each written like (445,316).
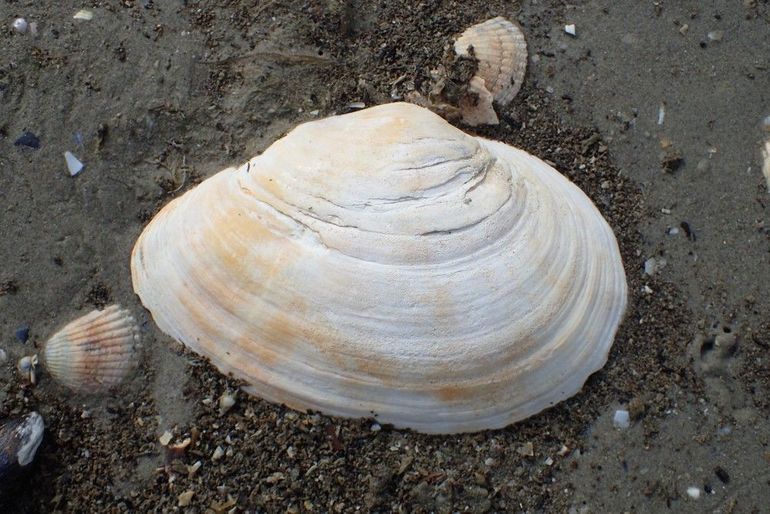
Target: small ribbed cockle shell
(501,51)
(95,352)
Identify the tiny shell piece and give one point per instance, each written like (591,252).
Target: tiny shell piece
(94,352)
(73,164)
(84,14)
(501,50)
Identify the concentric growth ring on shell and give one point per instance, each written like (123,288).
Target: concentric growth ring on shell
(384,263)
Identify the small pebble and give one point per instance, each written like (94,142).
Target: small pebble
(165,438)
(722,475)
(218,453)
(716,35)
(570,29)
(191,470)
(185,498)
(20,25)
(375,427)
(672,231)
(622,419)
(693,492)
(22,333)
(653,265)
(527,450)
(28,139)
(3,356)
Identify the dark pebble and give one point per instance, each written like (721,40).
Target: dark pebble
(688,231)
(722,475)
(22,333)
(28,139)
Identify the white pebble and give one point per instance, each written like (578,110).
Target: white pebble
(693,492)
(570,29)
(622,419)
(3,356)
(218,453)
(20,25)
(375,427)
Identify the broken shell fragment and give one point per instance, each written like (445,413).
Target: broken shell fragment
(501,50)
(384,263)
(19,441)
(95,352)
(27,367)
(74,166)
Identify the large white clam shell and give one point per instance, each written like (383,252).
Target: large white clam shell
(384,263)
(95,352)
(501,50)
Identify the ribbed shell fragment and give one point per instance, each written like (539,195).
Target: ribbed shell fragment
(501,50)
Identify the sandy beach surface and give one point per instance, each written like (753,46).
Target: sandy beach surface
(655,109)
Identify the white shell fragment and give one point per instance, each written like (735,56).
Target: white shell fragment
(501,50)
(621,419)
(385,264)
(95,352)
(73,164)
(570,29)
(84,14)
